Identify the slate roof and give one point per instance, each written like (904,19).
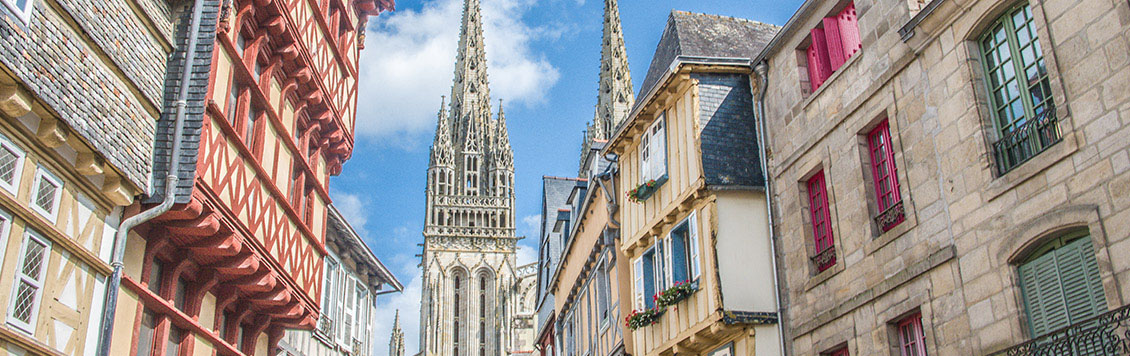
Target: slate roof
(728,139)
(700,35)
(555,191)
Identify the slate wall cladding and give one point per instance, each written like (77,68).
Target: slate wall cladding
(160,14)
(117,30)
(728,138)
(59,67)
(198,96)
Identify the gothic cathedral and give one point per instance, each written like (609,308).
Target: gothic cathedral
(470,298)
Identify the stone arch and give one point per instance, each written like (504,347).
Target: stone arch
(486,322)
(1029,236)
(459,286)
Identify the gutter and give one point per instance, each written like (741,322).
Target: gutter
(907,31)
(762,70)
(110,305)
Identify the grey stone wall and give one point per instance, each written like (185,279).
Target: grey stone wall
(96,66)
(954,259)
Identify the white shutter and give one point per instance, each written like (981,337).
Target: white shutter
(637,281)
(645,157)
(347,319)
(692,223)
(668,266)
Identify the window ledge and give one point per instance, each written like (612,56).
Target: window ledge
(827,82)
(822,277)
(1031,168)
(910,221)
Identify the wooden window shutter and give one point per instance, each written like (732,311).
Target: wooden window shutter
(1062,287)
(849,31)
(819,67)
(832,35)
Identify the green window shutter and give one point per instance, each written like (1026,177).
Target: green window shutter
(1062,286)
(1082,287)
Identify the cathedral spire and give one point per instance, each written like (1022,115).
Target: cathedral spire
(503,154)
(616,95)
(396,341)
(442,152)
(470,95)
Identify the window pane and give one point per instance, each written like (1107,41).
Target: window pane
(8,160)
(25,302)
(172,348)
(45,195)
(145,336)
(33,258)
(155,272)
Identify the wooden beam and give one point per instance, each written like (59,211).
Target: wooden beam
(14,101)
(117,192)
(89,164)
(51,132)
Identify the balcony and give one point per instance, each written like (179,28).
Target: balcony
(1103,335)
(1027,140)
(891,217)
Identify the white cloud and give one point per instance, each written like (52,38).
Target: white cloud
(408,63)
(408,303)
(527,255)
(531,227)
(353,210)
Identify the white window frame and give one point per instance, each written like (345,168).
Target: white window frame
(692,241)
(35,281)
(359,310)
(6,143)
(328,296)
(5,229)
(23,14)
(41,174)
(637,284)
(653,150)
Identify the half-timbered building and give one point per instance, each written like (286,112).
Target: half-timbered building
(80,96)
(270,115)
(695,229)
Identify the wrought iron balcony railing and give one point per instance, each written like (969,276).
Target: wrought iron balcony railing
(891,217)
(825,259)
(358,347)
(1102,335)
(1027,140)
(326,326)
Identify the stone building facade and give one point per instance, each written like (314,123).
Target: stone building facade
(471,300)
(80,96)
(269,117)
(942,173)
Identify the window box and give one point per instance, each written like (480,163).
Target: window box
(645,190)
(681,290)
(638,319)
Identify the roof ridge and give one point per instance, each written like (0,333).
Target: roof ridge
(565,178)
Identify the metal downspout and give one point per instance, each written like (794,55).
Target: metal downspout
(109,307)
(762,70)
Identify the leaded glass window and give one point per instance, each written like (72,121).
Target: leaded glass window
(28,288)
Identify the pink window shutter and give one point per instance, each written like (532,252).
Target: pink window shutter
(849,31)
(836,54)
(818,62)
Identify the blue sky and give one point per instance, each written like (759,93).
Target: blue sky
(544,60)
